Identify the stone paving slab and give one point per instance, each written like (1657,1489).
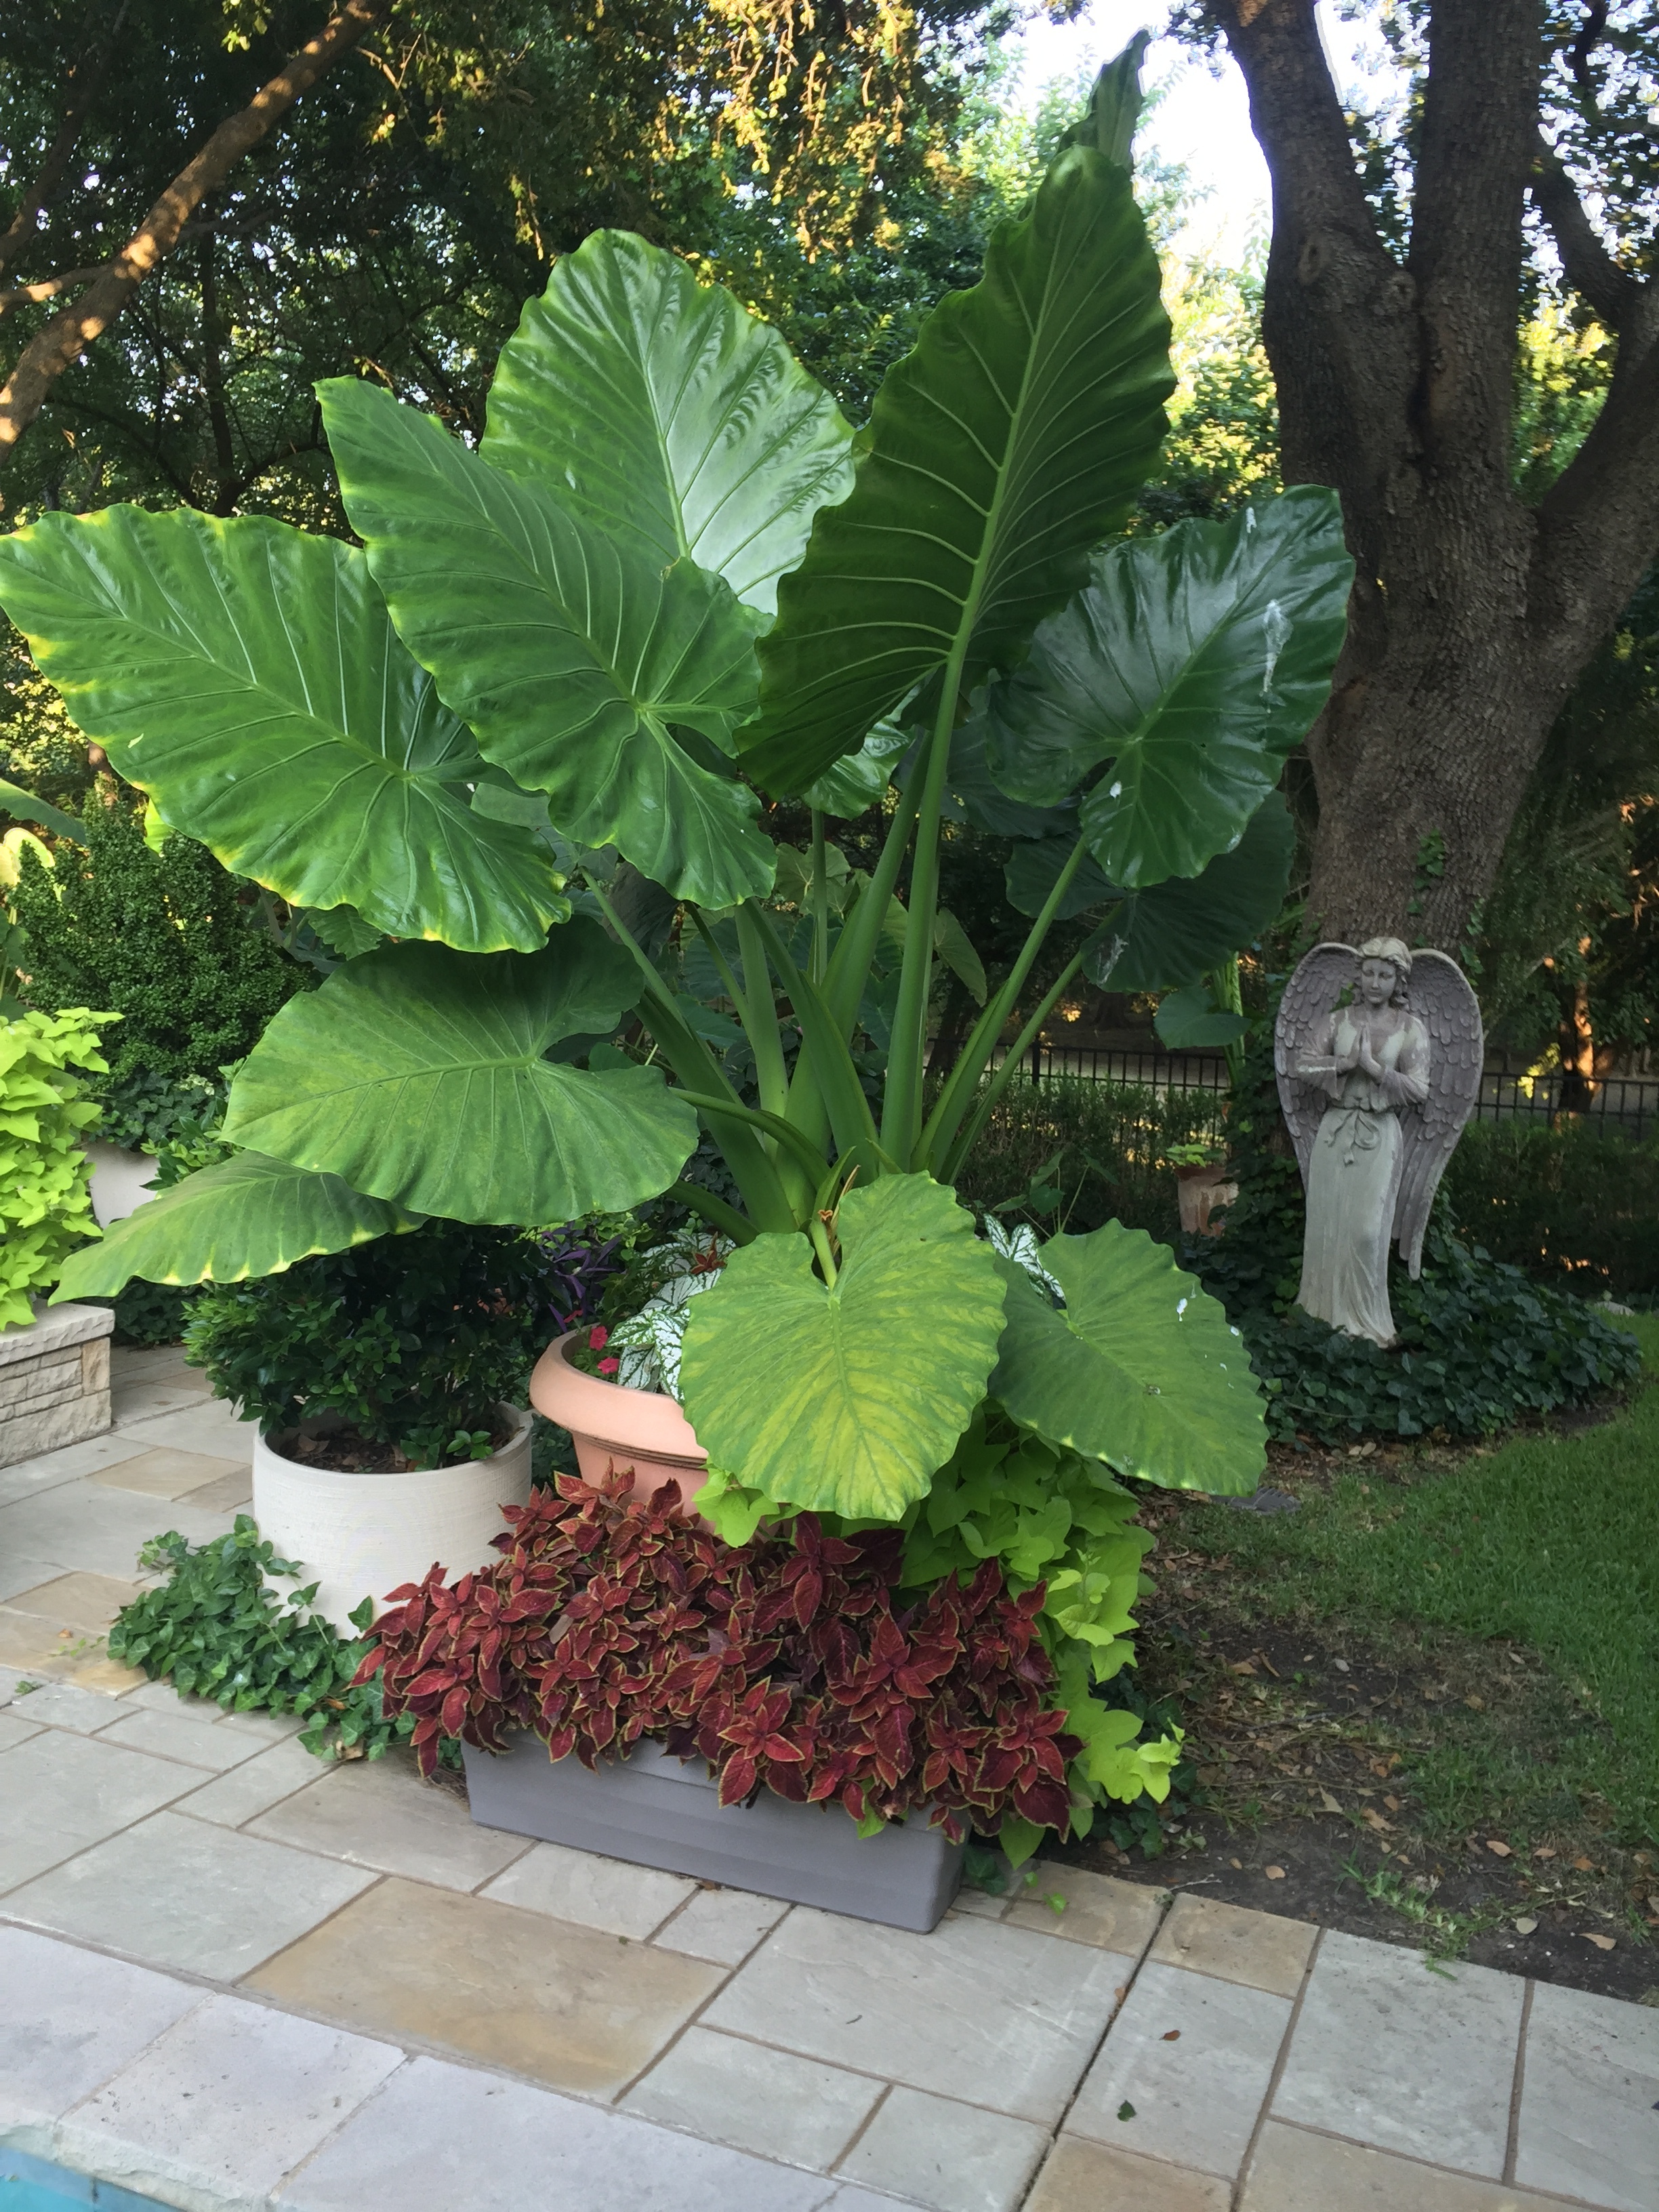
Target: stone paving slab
(1081,2176)
(591,1891)
(1256,1948)
(566,2006)
(174,1891)
(1295,2171)
(1002,2017)
(60,1793)
(1450,2034)
(1194,2057)
(949,2156)
(380,1813)
(71,2019)
(1590,2098)
(167,1474)
(757,2099)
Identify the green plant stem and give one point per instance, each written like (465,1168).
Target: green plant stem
(820,901)
(986,1107)
(760,1025)
(773,1125)
(834,1076)
(715,1210)
(901,1113)
(849,964)
(752,1167)
(1223,981)
(820,1236)
(974,1057)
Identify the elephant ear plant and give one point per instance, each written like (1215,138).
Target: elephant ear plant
(670,579)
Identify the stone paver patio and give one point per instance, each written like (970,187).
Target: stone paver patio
(230,1977)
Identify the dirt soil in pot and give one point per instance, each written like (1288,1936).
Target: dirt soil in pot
(345,1452)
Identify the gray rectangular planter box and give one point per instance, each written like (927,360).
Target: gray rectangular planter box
(651,1810)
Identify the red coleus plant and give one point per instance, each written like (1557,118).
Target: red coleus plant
(791,1661)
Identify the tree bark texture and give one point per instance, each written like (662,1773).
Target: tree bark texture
(1473,613)
(64,339)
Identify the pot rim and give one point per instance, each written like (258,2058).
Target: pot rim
(597,1407)
(522,1419)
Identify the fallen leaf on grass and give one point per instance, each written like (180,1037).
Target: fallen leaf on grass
(1475,1704)
(1584,1866)
(1327,1803)
(1525,1925)
(1498,1850)
(1375,1820)
(1393,1803)
(1602,1942)
(1275,1874)
(1545,1851)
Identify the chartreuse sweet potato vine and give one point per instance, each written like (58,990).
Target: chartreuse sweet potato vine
(669,580)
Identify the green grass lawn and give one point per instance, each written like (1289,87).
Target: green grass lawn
(1545,1551)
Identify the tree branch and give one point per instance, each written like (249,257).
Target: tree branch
(85,76)
(66,337)
(28,295)
(1591,270)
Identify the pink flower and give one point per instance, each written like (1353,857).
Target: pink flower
(609,1366)
(597,1338)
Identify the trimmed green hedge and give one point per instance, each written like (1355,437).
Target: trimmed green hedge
(1575,1205)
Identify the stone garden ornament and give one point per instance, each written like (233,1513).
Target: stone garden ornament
(1377,1091)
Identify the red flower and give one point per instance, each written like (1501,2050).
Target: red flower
(608,1366)
(597,1337)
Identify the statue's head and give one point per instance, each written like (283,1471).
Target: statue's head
(1385,969)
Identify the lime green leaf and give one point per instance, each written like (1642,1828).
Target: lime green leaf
(733,1510)
(1141,1369)
(419,1075)
(1192,664)
(571,656)
(661,410)
(243,1217)
(845,1400)
(999,452)
(247,678)
(1019,1839)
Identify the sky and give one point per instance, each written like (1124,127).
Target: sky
(1203,119)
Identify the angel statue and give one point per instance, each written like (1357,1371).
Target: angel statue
(1375,1091)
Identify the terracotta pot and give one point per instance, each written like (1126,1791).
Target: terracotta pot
(360,1535)
(1197,1190)
(614,1428)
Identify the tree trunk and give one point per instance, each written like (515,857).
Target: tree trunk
(1471,614)
(66,337)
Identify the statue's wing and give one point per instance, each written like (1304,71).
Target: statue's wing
(1442,1001)
(1310,997)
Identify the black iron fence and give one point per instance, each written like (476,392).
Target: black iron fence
(1628,1104)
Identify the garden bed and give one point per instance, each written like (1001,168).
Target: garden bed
(1381,1685)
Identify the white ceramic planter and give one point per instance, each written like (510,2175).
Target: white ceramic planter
(118,1178)
(361,1536)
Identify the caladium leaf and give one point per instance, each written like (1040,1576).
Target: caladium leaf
(1192,664)
(1141,1369)
(420,1075)
(243,1217)
(573,658)
(1009,443)
(664,413)
(1175,932)
(246,676)
(846,1399)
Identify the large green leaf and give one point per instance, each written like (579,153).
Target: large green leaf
(1178,931)
(24,806)
(243,1217)
(247,676)
(662,411)
(847,1400)
(1009,443)
(419,1075)
(571,656)
(1140,1369)
(1192,664)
